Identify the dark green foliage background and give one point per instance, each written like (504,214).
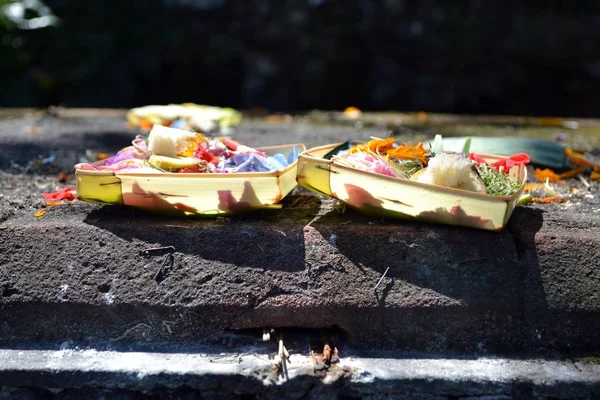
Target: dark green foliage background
(535,57)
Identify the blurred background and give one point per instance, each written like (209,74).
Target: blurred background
(508,57)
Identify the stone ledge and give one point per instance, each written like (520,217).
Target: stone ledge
(79,274)
(251,372)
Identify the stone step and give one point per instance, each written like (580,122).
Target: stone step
(252,372)
(81,273)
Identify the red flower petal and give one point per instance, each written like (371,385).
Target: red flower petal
(203,154)
(67,193)
(514,160)
(477,158)
(231,144)
(521,158)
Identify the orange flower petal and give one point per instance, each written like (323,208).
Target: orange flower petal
(547,199)
(379,146)
(352,112)
(546,174)
(145,124)
(193,143)
(533,186)
(572,173)
(385,147)
(550,121)
(579,159)
(409,153)
(40,213)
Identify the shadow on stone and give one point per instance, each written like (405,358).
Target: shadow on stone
(481,282)
(478,268)
(61,153)
(243,240)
